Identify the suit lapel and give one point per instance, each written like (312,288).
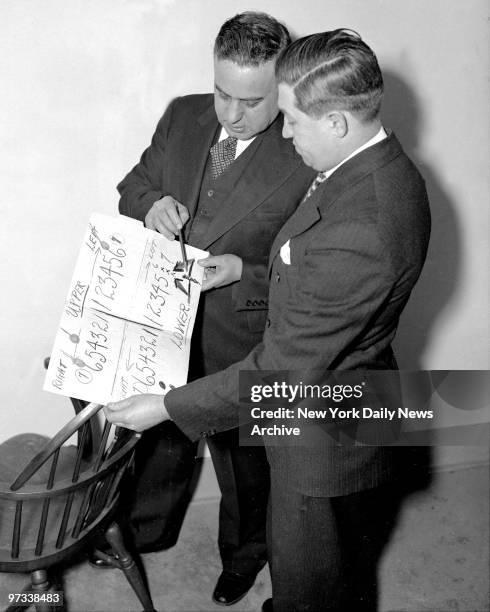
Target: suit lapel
(206,128)
(269,163)
(350,173)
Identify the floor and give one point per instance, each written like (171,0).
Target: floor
(437,561)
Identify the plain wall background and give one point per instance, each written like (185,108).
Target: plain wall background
(83,84)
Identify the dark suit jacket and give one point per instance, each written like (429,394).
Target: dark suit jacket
(231,319)
(357,248)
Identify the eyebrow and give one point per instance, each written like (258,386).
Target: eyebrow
(241,99)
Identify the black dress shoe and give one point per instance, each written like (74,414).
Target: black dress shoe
(231,587)
(98,563)
(267,605)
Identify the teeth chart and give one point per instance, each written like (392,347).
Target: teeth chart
(128,317)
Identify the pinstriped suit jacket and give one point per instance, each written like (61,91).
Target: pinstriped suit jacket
(357,248)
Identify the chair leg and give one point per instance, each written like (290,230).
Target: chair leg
(128,566)
(39,584)
(20,608)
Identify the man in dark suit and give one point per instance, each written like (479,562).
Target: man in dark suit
(219,167)
(341,271)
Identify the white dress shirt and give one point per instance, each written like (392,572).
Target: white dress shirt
(241,145)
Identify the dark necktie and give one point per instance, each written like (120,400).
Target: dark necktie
(319,178)
(222,155)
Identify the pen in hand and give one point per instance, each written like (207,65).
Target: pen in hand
(182,248)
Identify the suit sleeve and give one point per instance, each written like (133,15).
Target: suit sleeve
(330,302)
(142,186)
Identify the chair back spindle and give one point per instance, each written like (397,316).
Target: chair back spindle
(78,493)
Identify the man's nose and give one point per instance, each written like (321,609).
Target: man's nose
(234,111)
(286,130)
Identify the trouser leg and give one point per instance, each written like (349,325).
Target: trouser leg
(243,477)
(324,551)
(158,493)
(304,553)
(365,522)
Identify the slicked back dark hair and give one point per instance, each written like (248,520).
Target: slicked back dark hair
(332,71)
(250,39)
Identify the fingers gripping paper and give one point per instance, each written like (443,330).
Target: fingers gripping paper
(129,314)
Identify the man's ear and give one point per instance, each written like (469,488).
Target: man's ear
(337,122)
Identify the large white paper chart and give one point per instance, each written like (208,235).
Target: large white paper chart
(128,318)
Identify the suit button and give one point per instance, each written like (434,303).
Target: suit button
(278,277)
(211,193)
(268,322)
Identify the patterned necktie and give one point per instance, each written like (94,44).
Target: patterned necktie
(319,178)
(222,155)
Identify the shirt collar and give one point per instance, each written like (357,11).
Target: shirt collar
(381,135)
(241,145)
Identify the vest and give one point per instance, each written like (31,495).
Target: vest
(213,194)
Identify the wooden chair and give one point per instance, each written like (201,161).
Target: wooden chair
(63,501)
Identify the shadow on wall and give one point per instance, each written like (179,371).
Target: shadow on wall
(403,114)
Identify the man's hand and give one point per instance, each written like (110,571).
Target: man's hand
(221,270)
(167,216)
(138,412)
